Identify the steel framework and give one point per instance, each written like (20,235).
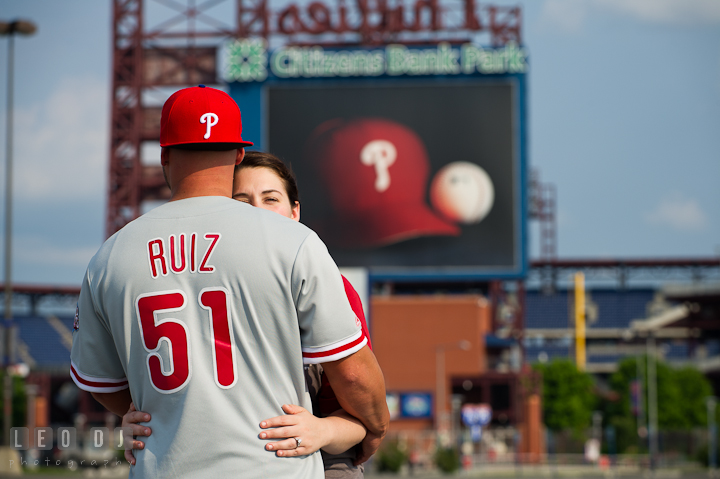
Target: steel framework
(126,115)
(619,272)
(177,51)
(543,206)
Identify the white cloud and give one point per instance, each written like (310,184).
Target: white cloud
(61,145)
(678,212)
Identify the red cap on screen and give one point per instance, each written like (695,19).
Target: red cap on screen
(375,172)
(201,118)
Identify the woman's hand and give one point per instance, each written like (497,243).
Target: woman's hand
(313,432)
(132,420)
(333,434)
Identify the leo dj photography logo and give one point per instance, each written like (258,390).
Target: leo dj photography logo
(66,438)
(97,446)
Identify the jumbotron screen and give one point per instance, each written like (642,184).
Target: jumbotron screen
(405,175)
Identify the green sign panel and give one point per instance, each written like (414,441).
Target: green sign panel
(249,60)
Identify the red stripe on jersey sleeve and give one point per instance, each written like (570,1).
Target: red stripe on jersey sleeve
(356,305)
(337,350)
(97,386)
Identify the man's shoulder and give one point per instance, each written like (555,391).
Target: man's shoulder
(104,250)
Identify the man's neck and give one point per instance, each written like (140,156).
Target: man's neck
(195,174)
(191,187)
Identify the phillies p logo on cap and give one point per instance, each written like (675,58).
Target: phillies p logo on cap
(375,172)
(201,118)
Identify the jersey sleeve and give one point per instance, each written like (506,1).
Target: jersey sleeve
(94,363)
(326,399)
(329,330)
(356,305)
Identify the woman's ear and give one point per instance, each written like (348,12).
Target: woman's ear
(296,212)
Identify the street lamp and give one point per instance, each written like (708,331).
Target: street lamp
(442,415)
(712,435)
(652,401)
(22,27)
(648,328)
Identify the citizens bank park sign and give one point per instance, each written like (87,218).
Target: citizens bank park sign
(249,60)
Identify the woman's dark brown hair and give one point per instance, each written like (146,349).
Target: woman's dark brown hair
(260,159)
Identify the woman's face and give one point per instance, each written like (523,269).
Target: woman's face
(261,187)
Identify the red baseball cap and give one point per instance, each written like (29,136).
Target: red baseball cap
(375,172)
(201,118)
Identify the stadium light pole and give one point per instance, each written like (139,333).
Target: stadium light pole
(22,27)
(652,401)
(712,435)
(441,421)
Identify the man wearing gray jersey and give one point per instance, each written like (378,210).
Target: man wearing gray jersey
(204,310)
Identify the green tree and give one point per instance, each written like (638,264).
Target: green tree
(391,457)
(447,460)
(618,412)
(694,389)
(19,402)
(568,398)
(681,397)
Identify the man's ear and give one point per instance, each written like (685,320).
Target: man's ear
(165,156)
(240,155)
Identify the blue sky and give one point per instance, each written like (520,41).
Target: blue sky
(624,103)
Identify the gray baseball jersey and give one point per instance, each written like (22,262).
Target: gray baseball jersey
(207,308)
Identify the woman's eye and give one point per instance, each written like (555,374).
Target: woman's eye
(271,199)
